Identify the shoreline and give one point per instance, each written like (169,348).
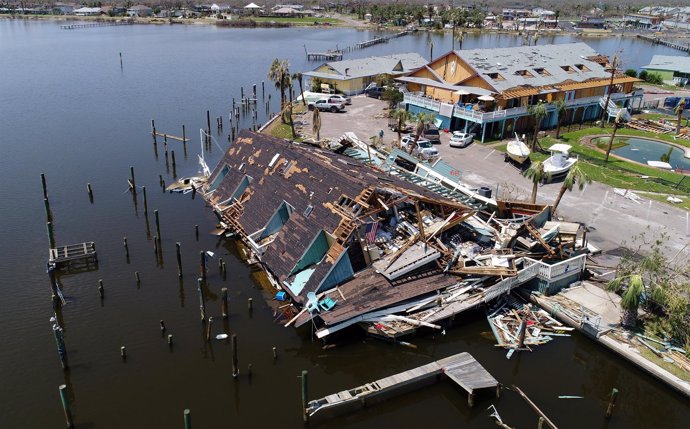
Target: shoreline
(283,24)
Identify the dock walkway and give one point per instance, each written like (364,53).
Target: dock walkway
(84,252)
(461,368)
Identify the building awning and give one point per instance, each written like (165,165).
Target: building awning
(436,84)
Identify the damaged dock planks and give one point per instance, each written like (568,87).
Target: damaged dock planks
(461,368)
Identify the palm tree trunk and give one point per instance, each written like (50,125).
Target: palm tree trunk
(561,192)
(282,99)
(629,318)
(400,130)
(536,133)
(535,185)
(680,114)
(558,128)
(301,92)
(613,136)
(288,111)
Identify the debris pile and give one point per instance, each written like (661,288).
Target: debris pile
(518,325)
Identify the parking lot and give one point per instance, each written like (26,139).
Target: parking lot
(612,219)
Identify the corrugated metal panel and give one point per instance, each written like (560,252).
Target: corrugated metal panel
(314,253)
(279,219)
(341,272)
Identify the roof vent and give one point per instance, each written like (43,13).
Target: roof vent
(308,210)
(273,161)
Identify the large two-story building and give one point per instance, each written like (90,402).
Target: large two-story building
(489,90)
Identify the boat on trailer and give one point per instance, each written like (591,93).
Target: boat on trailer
(517,150)
(560,161)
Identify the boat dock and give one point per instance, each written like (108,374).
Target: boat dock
(169,136)
(65,255)
(658,41)
(325,56)
(461,368)
(95,24)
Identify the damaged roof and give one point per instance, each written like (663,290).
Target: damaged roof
(311,181)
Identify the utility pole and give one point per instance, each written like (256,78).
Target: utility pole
(608,93)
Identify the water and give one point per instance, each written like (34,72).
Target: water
(643,150)
(68,110)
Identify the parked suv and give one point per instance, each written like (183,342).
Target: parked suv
(326,105)
(432,134)
(375,92)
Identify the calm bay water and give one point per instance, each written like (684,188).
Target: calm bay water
(68,110)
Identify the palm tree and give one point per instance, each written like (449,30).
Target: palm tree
(401,116)
(538,112)
(560,114)
(616,124)
(316,124)
(679,113)
(536,174)
(631,297)
(576,176)
(288,111)
(279,73)
(423,119)
(298,77)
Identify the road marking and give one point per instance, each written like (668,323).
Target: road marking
(494,150)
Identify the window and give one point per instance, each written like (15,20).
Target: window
(542,71)
(523,73)
(568,69)
(582,67)
(495,76)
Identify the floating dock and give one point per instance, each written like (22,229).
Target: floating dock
(461,368)
(65,255)
(328,56)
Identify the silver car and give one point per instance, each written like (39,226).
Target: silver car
(340,99)
(461,139)
(424,146)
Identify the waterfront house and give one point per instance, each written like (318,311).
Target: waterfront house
(591,23)
(673,69)
(87,11)
(353,76)
(489,90)
(638,20)
(139,11)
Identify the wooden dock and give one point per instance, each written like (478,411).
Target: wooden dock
(95,24)
(461,368)
(658,41)
(172,137)
(325,56)
(65,255)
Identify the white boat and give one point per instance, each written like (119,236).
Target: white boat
(517,150)
(559,162)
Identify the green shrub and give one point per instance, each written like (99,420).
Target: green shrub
(631,72)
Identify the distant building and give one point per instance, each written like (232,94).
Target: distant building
(64,8)
(252,9)
(140,11)
(672,69)
(87,11)
(353,76)
(642,21)
(591,22)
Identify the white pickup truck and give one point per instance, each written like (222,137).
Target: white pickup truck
(330,105)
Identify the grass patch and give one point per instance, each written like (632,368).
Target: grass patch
(672,368)
(662,199)
(297,21)
(656,117)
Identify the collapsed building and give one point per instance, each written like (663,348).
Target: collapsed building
(392,246)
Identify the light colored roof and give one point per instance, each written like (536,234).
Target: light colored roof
(669,62)
(371,66)
(436,84)
(509,62)
(88,10)
(286,10)
(252,6)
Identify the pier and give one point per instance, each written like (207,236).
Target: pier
(657,41)
(95,24)
(461,369)
(336,55)
(170,136)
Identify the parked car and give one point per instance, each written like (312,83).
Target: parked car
(424,146)
(432,134)
(461,139)
(326,105)
(375,92)
(340,99)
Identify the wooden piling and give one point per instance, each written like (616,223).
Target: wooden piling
(45,188)
(263,92)
(101,291)
(202,265)
(89,191)
(540,423)
(170,340)
(534,406)
(235,367)
(160,181)
(242,93)
(196,232)
(179,260)
(131,177)
(275,353)
(146,204)
(224,302)
(137,277)
(305,397)
(187,419)
(202,304)
(173,160)
(208,329)
(51,235)
(158,225)
(612,402)
(66,407)
(46,205)
(250,304)
(124,244)
(254,91)
(208,123)
(60,343)
(162,324)
(155,245)
(120,60)
(53,283)
(521,334)
(184,136)
(249,370)
(123,352)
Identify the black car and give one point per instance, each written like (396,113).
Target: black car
(375,92)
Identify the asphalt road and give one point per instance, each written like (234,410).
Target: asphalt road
(613,220)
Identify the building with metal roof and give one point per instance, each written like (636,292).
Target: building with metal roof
(490,90)
(353,76)
(673,69)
